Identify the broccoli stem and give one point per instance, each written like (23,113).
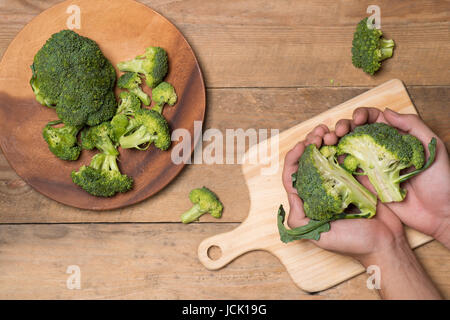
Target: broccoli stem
(134,65)
(141,95)
(192,214)
(158,108)
(107,147)
(137,138)
(387,48)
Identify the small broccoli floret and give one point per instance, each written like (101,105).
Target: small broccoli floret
(129,103)
(132,81)
(328,151)
(369,48)
(152,64)
(350,164)
(146,127)
(102,177)
(62,141)
(162,94)
(382,152)
(203,200)
(119,126)
(99,137)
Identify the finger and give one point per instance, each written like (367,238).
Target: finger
(291,166)
(343,127)
(321,130)
(296,214)
(317,140)
(330,139)
(365,115)
(409,123)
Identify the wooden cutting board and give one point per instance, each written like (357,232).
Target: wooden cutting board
(312,269)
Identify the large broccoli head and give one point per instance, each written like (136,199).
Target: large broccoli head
(71,73)
(152,64)
(382,152)
(203,200)
(369,48)
(102,177)
(146,127)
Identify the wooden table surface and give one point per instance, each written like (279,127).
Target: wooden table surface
(267,64)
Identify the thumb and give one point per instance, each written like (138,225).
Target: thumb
(409,123)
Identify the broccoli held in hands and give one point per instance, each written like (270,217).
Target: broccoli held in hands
(162,94)
(132,81)
(369,48)
(382,152)
(203,200)
(146,127)
(102,177)
(327,190)
(62,141)
(152,64)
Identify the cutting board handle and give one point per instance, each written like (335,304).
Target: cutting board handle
(232,244)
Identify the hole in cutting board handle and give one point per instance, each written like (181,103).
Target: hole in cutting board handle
(214,252)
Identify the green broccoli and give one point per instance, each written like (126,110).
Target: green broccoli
(162,94)
(369,48)
(99,137)
(152,64)
(203,200)
(131,81)
(71,74)
(119,125)
(129,103)
(146,127)
(382,152)
(62,141)
(327,190)
(102,178)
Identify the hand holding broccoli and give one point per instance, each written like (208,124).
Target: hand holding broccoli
(426,207)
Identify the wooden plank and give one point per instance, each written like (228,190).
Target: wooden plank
(156,261)
(271,108)
(291,43)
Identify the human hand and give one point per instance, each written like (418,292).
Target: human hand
(426,207)
(359,238)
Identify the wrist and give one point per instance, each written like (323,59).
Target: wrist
(442,232)
(397,251)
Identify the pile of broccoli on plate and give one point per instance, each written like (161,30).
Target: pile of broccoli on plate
(71,75)
(328,187)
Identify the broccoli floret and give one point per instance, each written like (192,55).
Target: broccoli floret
(146,127)
(327,190)
(369,48)
(71,74)
(62,141)
(350,164)
(203,200)
(119,126)
(152,64)
(382,152)
(131,81)
(99,137)
(102,177)
(129,103)
(162,94)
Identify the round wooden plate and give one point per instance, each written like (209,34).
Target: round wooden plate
(122,29)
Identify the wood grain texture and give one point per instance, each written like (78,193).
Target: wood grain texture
(227,37)
(150,261)
(295,43)
(19,203)
(25,118)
